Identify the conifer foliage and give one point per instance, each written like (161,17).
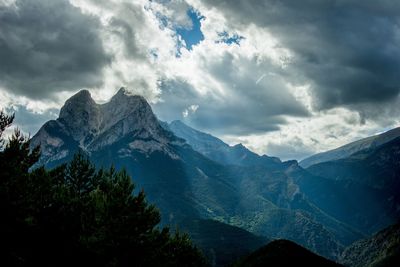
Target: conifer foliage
(78,215)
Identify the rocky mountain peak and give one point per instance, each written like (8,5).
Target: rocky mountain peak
(94,126)
(133,111)
(239,146)
(80,102)
(124,103)
(124,94)
(81,115)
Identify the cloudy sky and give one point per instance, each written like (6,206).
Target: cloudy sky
(285,78)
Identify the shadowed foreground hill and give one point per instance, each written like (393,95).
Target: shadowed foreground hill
(284,253)
(221,243)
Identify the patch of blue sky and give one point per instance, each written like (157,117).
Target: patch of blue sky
(227,38)
(193,35)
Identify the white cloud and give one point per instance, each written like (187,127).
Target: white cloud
(299,138)
(248,93)
(189,110)
(7,3)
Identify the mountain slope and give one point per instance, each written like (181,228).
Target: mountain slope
(219,151)
(125,132)
(266,178)
(270,182)
(284,253)
(377,172)
(382,249)
(349,202)
(185,184)
(221,243)
(351,148)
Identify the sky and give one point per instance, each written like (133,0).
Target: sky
(285,78)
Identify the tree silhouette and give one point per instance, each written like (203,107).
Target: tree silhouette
(78,215)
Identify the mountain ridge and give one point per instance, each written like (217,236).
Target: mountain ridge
(218,150)
(241,188)
(351,148)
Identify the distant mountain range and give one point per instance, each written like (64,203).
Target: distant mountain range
(351,148)
(219,151)
(192,176)
(372,175)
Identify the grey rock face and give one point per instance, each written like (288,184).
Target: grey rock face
(94,126)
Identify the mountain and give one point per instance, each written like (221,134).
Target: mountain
(275,181)
(234,186)
(376,173)
(125,132)
(219,151)
(351,148)
(86,125)
(284,253)
(349,202)
(221,243)
(382,249)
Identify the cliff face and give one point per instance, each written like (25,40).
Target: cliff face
(89,126)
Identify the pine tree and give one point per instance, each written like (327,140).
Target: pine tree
(77,215)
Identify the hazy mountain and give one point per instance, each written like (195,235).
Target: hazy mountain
(237,186)
(274,181)
(373,175)
(382,249)
(347,201)
(284,253)
(351,148)
(217,150)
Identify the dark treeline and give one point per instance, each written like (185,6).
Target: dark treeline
(75,215)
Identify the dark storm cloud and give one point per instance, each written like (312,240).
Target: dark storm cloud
(348,50)
(48,46)
(244,108)
(212,115)
(28,121)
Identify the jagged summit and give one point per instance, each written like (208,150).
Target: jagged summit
(84,115)
(81,101)
(84,93)
(93,126)
(123,104)
(81,115)
(124,93)
(122,90)
(239,146)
